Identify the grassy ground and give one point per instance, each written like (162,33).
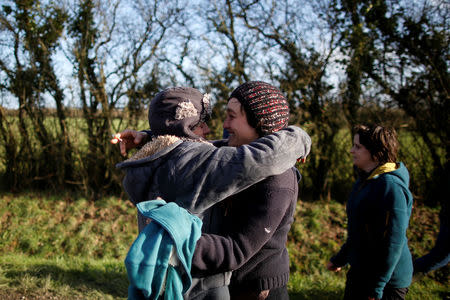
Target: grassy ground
(65,247)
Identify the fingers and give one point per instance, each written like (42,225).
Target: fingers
(129,134)
(332,267)
(139,137)
(129,139)
(301,160)
(116,138)
(124,139)
(123,149)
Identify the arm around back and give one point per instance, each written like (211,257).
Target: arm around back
(197,175)
(224,171)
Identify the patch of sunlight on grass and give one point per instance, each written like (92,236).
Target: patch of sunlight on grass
(424,287)
(66,225)
(64,277)
(27,282)
(323,286)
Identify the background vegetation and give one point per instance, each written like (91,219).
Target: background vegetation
(66,247)
(72,73)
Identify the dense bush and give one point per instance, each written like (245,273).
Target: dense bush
(37,168)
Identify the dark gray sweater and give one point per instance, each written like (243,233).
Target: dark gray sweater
(253,242)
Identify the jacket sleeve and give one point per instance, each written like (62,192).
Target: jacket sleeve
(247,235)
(221,172)
(397,219)
(341,258)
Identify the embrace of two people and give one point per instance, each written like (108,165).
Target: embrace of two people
(220,230)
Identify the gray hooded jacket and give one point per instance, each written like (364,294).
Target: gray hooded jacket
(197,175)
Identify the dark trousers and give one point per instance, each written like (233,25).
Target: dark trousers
(356,289)
(221,293)
(280,293)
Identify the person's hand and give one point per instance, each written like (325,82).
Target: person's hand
(332,267)
(129,139)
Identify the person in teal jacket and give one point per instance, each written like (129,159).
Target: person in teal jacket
(378,211)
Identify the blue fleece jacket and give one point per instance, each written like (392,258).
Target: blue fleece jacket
(378,213)
(172,232)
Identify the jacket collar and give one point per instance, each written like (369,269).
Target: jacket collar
(386,168)
(155,145)
(160,143)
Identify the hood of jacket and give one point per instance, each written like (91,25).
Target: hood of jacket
(150,170)
(398,171)
(157,147)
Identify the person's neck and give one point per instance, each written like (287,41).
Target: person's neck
(363,174)
(369,168)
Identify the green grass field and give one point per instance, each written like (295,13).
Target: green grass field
(65,247)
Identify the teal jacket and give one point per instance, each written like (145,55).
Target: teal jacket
(161,256)
(378,212)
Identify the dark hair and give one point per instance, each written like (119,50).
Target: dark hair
(248,116)
(381,142)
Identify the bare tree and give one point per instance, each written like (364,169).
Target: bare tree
(215,53)
(31,32)
(293,37)
(113,54)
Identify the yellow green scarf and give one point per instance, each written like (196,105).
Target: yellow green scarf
(386,168)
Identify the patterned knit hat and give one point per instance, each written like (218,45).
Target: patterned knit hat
(177,111)
(266,107)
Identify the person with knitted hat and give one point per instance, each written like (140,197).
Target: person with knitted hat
(265,106)
(177,164)
(257,220)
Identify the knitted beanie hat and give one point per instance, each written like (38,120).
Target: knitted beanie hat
(266,107)
(177,111)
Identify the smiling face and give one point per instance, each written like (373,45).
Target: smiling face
(362,158)
(240,132)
